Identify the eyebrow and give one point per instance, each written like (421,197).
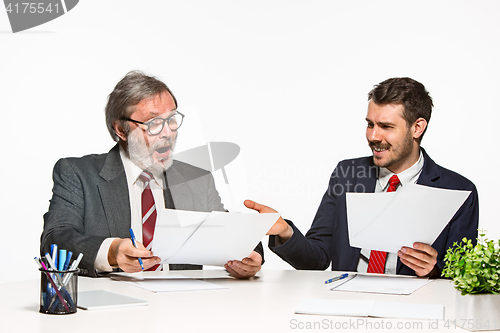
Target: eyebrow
(153,114)
(380,122)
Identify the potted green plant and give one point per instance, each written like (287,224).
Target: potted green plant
(475,271)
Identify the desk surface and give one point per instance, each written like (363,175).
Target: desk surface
(265,303)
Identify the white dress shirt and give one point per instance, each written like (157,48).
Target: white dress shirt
(409,176)
(135,187)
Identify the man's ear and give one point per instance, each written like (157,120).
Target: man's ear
(419,127)
(120,131)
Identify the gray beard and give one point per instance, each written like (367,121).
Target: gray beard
(142,156)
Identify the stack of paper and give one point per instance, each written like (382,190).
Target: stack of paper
(381,284)
(164,281)
(105,299)
(331,307)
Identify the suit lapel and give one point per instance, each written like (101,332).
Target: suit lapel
(369,182)
(181,192)
(430,173)
(114,194)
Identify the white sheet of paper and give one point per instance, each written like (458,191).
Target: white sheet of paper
(371,308)
(331,307)
(383,284)
(407,310)
(105,299)
(414,213)
(138,277)
(172,275)
(173,229)
(208,238)
(165,285)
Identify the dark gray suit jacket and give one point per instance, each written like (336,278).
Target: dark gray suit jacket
(90,202)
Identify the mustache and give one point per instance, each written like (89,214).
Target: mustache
(165,142)
(378,145)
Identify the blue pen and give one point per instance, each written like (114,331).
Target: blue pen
(62,259)
(68,259)
(53,254)
(135,245)
(340,277)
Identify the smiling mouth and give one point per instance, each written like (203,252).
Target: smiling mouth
(379,149)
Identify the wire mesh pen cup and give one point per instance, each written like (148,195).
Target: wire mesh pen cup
(58,291)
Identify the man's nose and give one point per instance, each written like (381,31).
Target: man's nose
(166,132)
(374,135)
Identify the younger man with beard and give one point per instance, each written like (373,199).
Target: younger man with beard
(97,198)
(399,110)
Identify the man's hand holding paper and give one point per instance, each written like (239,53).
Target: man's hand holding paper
(245,268)
(422,258)
(280,228)
(395,222)
(217,238)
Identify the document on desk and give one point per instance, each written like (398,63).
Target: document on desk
(335,307)
(204,274)
(414,213)
(105,299)
(167,285)
(163,281)
(382,284)
(184,237)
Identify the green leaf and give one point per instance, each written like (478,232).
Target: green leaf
(474,269)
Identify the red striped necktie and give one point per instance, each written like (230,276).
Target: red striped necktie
(148,215)
(377,258)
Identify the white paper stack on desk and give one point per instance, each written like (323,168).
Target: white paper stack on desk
(379,284)
(371,308)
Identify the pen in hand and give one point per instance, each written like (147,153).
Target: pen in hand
(132,236)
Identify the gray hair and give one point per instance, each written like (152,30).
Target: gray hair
(133,88)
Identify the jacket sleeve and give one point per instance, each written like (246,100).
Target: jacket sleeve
(64,223)
(311,251)
(464,223)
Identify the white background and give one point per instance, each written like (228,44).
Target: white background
(285,80)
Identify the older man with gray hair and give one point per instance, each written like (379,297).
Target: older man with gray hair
(97,199)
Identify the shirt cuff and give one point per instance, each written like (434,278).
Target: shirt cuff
(101,263)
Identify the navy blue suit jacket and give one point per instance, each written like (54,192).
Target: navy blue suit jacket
(327,240)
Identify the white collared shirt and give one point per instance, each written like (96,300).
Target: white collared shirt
(135,187)
(408,176)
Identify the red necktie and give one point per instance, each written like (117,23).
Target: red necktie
(148,214)
(377,258)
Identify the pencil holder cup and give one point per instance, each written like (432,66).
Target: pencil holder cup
(58,291)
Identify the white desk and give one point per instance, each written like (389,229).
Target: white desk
(265,303)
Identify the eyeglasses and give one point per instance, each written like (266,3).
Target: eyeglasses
(156,125)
